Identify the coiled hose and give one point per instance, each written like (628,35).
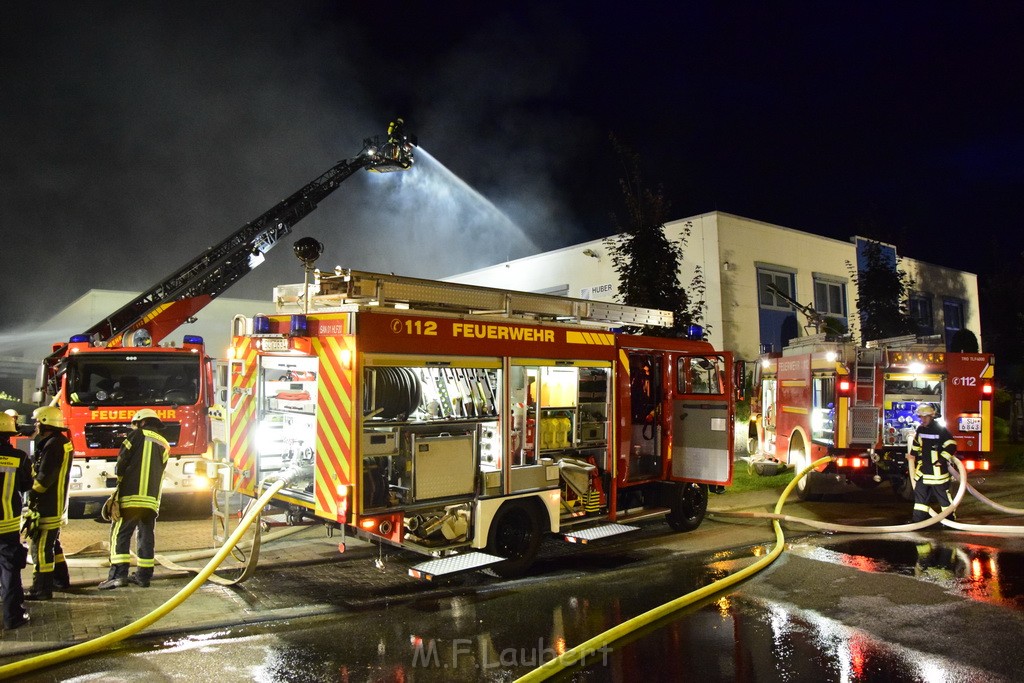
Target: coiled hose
(104,641)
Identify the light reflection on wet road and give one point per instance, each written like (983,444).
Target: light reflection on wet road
(484,630)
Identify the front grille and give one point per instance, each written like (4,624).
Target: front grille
(113,434)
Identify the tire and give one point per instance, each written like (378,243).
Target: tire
(799,457)
(689,504)
(515,535)
(902,488)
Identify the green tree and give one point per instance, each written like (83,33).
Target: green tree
(646,261)
(882,290)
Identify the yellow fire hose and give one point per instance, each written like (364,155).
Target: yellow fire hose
(594,645)
(104,641)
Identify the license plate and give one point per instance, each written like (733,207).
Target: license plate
(970,424)
(274,344)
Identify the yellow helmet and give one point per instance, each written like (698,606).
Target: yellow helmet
(49,416)
(925,409)
(145,414)
(7,425)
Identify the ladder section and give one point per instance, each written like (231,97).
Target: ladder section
(347,287)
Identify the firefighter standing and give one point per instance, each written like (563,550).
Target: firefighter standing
(15,479)
(140,471)
(51,472)
(930,453)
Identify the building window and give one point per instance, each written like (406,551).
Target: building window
(952,316)
(830,297)
(783,282)
(920,308)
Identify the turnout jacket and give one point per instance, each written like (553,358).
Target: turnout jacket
(15,479)
(140,469)
(932,448)
(51,472)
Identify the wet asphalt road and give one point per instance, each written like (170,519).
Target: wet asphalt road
(927,606)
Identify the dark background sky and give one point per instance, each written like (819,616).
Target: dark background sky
(136,134)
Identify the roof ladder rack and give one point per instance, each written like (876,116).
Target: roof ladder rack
(346,287)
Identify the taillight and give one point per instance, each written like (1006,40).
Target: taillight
(843,386)
(986,390)
(854,463)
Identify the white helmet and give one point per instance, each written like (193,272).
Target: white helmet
(925,410)
(51,416)
(145,414)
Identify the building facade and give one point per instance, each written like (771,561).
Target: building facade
(739,258)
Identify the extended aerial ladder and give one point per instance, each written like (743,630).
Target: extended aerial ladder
(101,377)
(177,297)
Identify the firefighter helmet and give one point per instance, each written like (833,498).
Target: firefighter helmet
(7,425)
(49,416)
(925,410)
(145,414)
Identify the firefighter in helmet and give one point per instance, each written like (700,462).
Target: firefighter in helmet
(930,454)
(15,479)
(140,471)
(47,500)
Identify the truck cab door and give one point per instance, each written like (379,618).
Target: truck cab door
(702,418)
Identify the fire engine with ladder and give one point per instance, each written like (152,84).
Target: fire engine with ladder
(824,395)
(101,377)
(468,423)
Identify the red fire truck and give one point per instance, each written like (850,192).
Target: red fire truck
(821,397)
(467,423)
(101,377)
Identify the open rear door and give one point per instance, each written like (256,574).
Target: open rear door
(702,418)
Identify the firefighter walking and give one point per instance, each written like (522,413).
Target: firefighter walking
(47,500)
(15,479)
(929,459)
(140,471)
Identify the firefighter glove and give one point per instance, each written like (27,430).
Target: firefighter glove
(30,524)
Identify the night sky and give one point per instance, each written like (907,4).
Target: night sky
(135,134)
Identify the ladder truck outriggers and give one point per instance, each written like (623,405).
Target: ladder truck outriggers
(827,396)
(468,423)
(101,377)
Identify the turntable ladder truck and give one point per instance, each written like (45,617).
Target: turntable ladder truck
(101,377)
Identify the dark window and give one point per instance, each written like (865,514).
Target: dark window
(920,308)
(830,298)
(783,282)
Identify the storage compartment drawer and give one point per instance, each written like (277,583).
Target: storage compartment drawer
(442,466)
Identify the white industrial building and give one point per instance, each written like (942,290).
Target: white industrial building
(739,257)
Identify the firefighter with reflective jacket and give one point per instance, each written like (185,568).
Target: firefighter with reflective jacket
(930,455)
(15,479)
(47,500)
(140,471)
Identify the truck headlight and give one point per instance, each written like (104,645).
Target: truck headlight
(189,468)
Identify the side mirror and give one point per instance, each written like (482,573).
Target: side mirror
(739,379)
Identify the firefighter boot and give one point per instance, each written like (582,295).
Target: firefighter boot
(141,577)
(116,578)
(42,587)
(61,576)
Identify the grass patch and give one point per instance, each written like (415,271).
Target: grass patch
(1007,457)
(744,480)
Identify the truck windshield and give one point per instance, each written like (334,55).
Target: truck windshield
(133,379)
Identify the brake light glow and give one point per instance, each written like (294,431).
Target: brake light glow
(855,463)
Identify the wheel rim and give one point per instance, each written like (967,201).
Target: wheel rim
(694,502)
(513,535)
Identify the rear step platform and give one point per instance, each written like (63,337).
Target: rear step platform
(595,533)
(446,566)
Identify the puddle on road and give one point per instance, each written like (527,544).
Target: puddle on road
(975,571)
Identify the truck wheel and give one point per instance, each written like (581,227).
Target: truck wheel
(902,487)
(515,535)
(688,505)
(798,456)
